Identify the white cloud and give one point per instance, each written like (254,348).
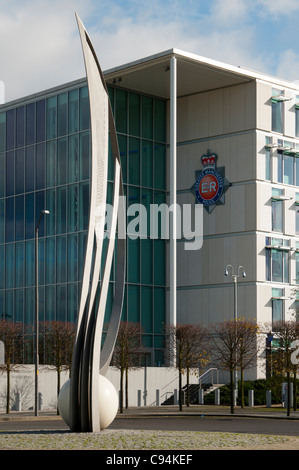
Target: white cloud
(130,40)
(41,45)
(278,7)
(228,13)
(288,65)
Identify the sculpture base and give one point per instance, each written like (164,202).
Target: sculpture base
(108,402)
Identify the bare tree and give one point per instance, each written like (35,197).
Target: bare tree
(58,346)
(294,360)
(248,350)
(286,332)
(186,344)
(126,354)
(234,346)
(11,333)
(196,355)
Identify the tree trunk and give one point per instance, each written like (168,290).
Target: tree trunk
(180,390)
(121,408)
(295,391)
(242,389)
(188,391)
(127,387)
(232,387)
(289,393)
(8,389)
(58,387)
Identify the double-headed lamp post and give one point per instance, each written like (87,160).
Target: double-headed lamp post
(235,279)
(44,211)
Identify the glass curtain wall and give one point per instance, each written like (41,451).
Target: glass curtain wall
(140,124)
(45,163)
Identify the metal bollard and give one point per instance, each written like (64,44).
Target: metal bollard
(138,397)
(250,397)
(217,396)
(18,401)
(268,398)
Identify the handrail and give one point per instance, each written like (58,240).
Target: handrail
(209,371)
(199,380)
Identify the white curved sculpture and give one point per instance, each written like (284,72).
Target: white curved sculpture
(89,360)
(108,402)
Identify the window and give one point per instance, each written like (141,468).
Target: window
(297,214)
(73,113)
(277,210)
(40,121)
(297,265)
(134,114)
(45,162)
(147,117)
(296,171)
(2,132)
(147,163)
(268,164)
(2,222)
(20,126)
(2,174)
(297,117)
(287,162)
(277,111)
(277,260)
(280,266)
(30,123)
(84,109)
(288,169)
(51,110)
(62,108)
(121,110)
(277,306)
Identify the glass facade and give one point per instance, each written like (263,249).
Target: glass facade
(45,164)
(297,117)
(277,260)
(277,111)
(277,210)
(277,307)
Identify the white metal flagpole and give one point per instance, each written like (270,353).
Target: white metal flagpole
(173,188)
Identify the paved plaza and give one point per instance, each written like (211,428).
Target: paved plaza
(24,431)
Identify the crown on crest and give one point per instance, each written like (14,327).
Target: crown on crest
(208,160)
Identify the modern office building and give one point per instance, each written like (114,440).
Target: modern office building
(192,132)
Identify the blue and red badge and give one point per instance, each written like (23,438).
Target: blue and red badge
(211,184)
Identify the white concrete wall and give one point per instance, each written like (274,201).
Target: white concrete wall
(264,94)
(233,122)
(147,380)
(217,112)
(23,382)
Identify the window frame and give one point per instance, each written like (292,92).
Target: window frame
(297,116)
(277,111)
(281,247)
(276,203)
(277,299)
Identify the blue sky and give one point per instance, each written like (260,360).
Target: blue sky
(40,45)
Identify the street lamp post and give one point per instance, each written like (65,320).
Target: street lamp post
(44,211)
(235,280)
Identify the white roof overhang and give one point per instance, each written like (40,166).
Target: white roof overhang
(195,74)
